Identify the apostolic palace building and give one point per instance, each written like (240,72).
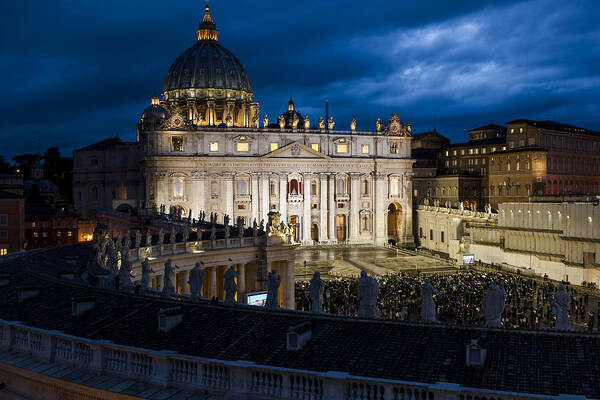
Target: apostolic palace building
(206,147)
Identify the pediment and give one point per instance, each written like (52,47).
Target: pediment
(296,150)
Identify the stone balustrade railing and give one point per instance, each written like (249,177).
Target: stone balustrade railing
(241,379)
(456,211)
(178,248)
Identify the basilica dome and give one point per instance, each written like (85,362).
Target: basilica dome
(207,70)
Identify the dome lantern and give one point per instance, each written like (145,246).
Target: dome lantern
(207,29)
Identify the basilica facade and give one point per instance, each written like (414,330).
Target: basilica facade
(206,148)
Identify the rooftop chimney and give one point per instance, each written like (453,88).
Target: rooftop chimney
(475,354)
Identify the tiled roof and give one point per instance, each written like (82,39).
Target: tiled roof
(487,127)
(541,362)
(106,145)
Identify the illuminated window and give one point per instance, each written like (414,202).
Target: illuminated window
(214,146)
(35,234)
(512,130)
(365,149)
(177,142)
(69,233)
(274,146)
(315,146)
(3,252)
(242,146)
(342,148)
(520,130)
(59,234)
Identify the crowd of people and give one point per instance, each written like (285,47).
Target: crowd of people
(459,299)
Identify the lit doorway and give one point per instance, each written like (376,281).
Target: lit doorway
(394,222)
(340,224)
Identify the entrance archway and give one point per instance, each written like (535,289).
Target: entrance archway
(394,222)
(340,224)
(314,232)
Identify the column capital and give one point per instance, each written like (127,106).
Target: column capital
(354,175)
(199,174)
(228,175)
(255,174)
(379,175)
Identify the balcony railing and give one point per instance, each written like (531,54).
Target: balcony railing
(243,379)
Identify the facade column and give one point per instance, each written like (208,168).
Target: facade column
(323,208)
(211,113)
(213,281)
(185,286)
(241,282)
(254,194)
(331,194)
(290,282)
(283,198)
(162,187)
(200,193)
(307,220)
(379,195)
(354,205)
(228,177)
(265,191)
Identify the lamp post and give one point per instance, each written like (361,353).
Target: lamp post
(305,271)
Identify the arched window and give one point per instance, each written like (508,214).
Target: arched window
(241,187)
(178,188)
(394,187)
(365,186)
(273,188)
(341,187)
(214,188)
(313,187)
(294,188)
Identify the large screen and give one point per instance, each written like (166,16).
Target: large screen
(468,259)
(257,299)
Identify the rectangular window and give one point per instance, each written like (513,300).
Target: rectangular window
(420,231)
(3,252)
(365,149)
(315,146)
(44,234)
(521,143)
(69,233)
(314,206)
(3,219)
(447,153)
(177,142)
(242,146)
(431,234)
(340,205)
(273,207)
(342,148)
(442,236)
(35,234)
(483,151)
(214,146)
(241,206)
(274,146)
(454,153)
(3,234)
(59,234)
(462,152)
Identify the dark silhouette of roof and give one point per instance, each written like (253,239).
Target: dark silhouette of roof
(106,145)
(553,125)
(527,361)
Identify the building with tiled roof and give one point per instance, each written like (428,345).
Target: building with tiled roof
(61,337)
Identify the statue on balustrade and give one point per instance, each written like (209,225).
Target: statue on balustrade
(493,306)
(172,238)
(146,280)
(428,314)
(213,232)
(125,274)
(330,124)
(315,290)
(281,122)
(225,219)
(265,121)
(186,233)
(179,213)
(560,308)
(168,280)
(254,229)
(488,208)
(273,282)
(189,215)
(230,286)
(368,289)
(227,231)
(240,226)
(321,123)
(261,227)
(195,281)
(161,237)
(119,241)
(138,239)
(148,238)
(127,244)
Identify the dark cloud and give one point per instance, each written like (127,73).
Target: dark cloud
(74,72)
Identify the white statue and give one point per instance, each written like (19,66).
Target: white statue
(127,244)
(493,306)
(213,232)
(265,121)
(227,231)
(560,308)
(306,122)
(273,282)
(489,208)
(295,122)
(172,238)
(161,236)
(125,271)
(168,280)
(378,125)
(461,206)
(353,124)
(281,122)
(368,289)
(148,238)
(146,271)
(321,123)
(138,239)
(427,304)
(330,124)
(230,286)
(119,241)
(112,259)
(195,281)
(315,289)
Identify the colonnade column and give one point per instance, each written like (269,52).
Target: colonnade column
(211,113)
(254,194)
(323,208)
(265,191)
(379,194)
(283,198)
(331,196)
(213,281)
(185,286)
(354,206)
(307,219)
(241,283)
(290,282)
(228,176)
